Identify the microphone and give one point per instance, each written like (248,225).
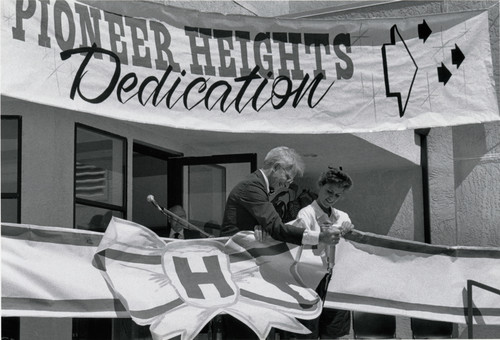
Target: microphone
(185,224)
(151,199)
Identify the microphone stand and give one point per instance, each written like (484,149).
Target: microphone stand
(185,223)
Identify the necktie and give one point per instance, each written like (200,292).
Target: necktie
(176,235)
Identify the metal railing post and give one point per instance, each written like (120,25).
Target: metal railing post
(470,309)
(470,332)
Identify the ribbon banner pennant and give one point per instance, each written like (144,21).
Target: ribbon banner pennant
(149,63)
(180,286)
(130,272)
(47,272)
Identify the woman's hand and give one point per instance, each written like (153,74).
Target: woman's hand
(329,236)
(346,227)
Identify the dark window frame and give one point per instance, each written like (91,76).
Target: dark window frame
(96,204)
(223,158)
(154,150)
(175,186)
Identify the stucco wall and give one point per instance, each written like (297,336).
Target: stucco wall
(384,201)
(476,151)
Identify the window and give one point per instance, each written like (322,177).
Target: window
(10,328)
(201,185)
(100,178)
(11,169)
(100,193)
(11,194)
(206,195)
(92,329)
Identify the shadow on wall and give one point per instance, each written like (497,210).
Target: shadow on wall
(386,198)
(476,156)
(387,202)
(469,147)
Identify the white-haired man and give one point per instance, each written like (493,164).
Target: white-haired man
(248,205)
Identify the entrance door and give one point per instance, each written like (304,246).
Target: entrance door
(201,185)
(151,166)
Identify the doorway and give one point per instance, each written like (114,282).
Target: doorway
(201,185)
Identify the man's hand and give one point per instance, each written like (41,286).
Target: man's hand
(260,234)
(329,236)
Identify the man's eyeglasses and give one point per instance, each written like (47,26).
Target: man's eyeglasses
(289,177)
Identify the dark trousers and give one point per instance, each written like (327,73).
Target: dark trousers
(331,324)
(235,329)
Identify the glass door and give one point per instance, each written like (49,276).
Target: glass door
(150,177)
(202,185)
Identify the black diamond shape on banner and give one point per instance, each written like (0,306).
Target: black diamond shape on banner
(457,57)
(424,31)
(443,74)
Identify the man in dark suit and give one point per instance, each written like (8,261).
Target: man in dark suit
(248,205)
(176,227)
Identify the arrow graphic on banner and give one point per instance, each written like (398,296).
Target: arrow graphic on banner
(424,31)
(457,56)
(398,84)
(443,74)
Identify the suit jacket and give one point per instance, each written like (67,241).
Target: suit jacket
(248,205)
(188,234)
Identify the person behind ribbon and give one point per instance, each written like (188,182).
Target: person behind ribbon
(176,226)
(249,205)
(332,185)
(320,215)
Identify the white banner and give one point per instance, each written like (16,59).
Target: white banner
(145,62)
(48,272)
(178,286)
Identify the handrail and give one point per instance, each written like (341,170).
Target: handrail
(470,284)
